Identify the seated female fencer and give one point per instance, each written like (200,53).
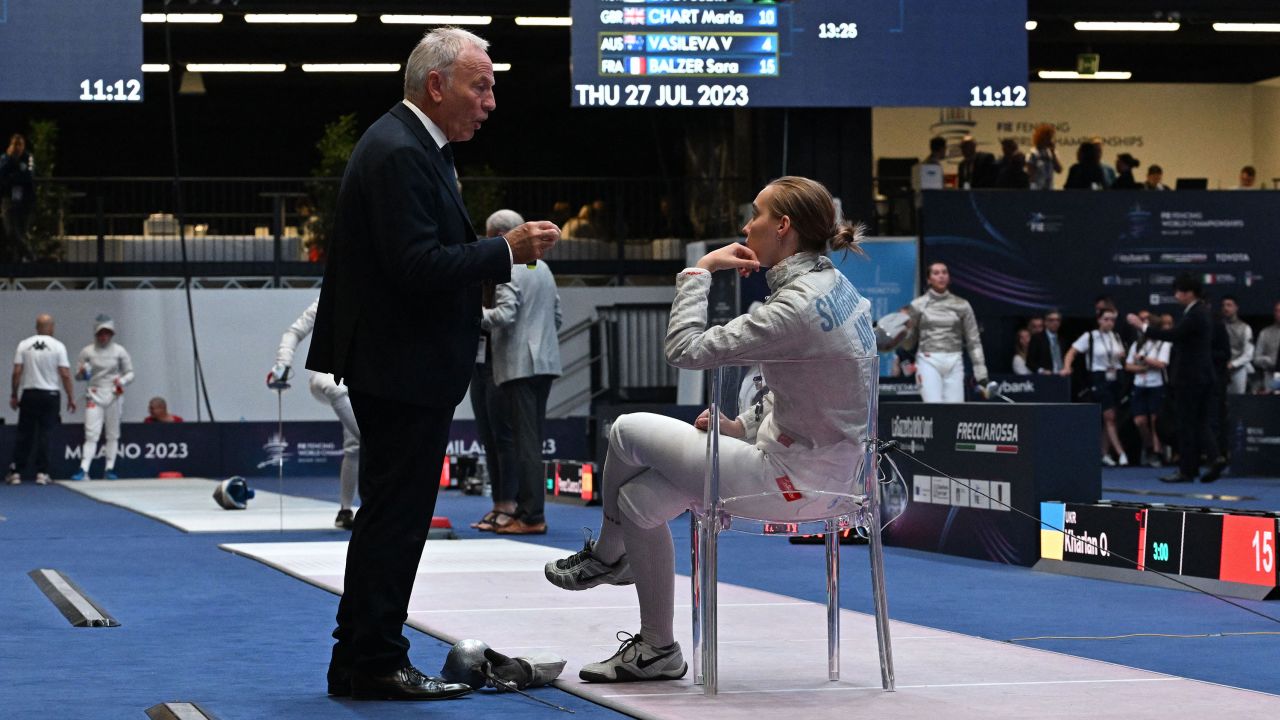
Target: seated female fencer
(805,435)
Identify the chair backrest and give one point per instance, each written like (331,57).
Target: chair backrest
(824,479)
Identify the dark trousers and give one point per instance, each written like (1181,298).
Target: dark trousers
(494,429)
(17,217)
(1193,404)
(526,402)
(37,416)
(401,448)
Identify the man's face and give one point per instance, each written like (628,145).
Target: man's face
(1155,178)
(1247,179)
(1036,326)
(1184,297)
(968,148)
(18,146)
(465,96)
(1052,322)
(1229,309)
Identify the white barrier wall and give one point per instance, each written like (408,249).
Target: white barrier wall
(238,333)
(1191,130)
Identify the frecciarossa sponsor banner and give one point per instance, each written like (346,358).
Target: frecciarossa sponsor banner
(987,461)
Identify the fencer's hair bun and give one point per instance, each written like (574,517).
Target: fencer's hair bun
(848,236)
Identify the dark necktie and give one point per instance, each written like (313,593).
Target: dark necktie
(447,151)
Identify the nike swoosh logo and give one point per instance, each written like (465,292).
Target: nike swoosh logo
(643,663)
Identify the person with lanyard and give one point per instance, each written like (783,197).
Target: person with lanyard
(1104,356)
(944,324)
(1147,360)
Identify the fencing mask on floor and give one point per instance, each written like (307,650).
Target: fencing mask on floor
(233,493)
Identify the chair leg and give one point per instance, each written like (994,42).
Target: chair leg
(878,592)
(833,603)
(695,580)
(708,590)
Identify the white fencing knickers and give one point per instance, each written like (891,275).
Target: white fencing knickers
(324,389)
(96,417)
(941,376)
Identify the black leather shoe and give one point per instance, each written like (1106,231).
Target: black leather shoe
(1177,478)
(404,684)
(339,681)
(1215,470)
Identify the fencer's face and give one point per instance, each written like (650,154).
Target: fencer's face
(465,95)
(1229,308)
(939,277)
(763,230)
(103,336)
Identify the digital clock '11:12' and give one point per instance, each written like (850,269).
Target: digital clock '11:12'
(118,91)
(1015,96)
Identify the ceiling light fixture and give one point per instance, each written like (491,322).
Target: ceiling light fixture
(235,67)
(501,67)
(300,18)
(1032,25)
(1128,26)
(350,67)
(545,21)
(182,17)
(1073,75)
(436,19)
(155,67)
(1246,27)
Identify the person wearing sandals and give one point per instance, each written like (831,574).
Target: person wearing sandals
(799,440)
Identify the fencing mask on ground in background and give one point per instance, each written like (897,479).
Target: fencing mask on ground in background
(233,493)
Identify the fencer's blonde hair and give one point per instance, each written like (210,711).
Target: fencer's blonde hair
(437,51)
(812,212)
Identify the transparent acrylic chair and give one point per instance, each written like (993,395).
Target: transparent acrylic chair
(856,507)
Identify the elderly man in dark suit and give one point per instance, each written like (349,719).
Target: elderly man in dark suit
(399,322)
(1192,377)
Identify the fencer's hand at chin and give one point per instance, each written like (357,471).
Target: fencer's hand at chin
(734,256)
(1134,320)
(729,427)
(530,241)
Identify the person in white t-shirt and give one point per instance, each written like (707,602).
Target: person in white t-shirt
(326,390)
(1103,351)
(107,368)
(1147,361)
(39,367)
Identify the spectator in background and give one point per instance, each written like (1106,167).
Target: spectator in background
(977,169)
(583,225)
(1044,355)
(40,366)
(17,198)
(937,150)
(1042,161)
(1087,172)
(158,412)
(1155,174)
(561,211)
(1248,179)
(1191,378)
(526,359)
(1020,352)
(1036,325)
(1241,337)
(1147,360)
(1125,165)
(1265,358)
(1103,351)
(1011,172)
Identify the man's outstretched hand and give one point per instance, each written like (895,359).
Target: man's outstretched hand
(530,241)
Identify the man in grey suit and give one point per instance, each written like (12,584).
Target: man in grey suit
(526,359)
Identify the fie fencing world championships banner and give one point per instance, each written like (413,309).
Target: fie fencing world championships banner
(1019,253)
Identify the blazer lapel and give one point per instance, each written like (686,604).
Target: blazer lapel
(443,171)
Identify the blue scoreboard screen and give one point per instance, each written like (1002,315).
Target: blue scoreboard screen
(71,50)
(799,53)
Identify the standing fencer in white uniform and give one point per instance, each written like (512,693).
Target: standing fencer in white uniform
(944,325)
(107,367)
(324,389)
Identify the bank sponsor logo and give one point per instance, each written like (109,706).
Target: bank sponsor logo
(1121,281)
(1039,222)
(987,437)
(912,429)
(1016,387)
(961,492)
(1132,258)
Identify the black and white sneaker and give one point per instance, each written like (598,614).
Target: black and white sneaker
(636,661)
(346,519)
(583,570)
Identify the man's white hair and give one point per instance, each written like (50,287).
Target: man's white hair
(438,50)
(502,222)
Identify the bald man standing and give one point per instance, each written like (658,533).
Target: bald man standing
(39,367)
